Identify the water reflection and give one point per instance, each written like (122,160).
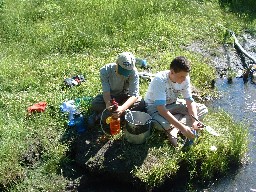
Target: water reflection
(239,100)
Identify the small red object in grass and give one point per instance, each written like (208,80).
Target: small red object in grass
(38,107)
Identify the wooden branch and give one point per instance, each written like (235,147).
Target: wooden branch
(240,47)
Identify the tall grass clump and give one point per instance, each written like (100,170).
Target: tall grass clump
(208,158)
(44,42)
(215,156)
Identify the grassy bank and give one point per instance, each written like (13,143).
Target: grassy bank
(43,42)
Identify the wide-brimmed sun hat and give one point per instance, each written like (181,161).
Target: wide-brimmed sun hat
(126,63)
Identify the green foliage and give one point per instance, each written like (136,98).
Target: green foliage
(166,164)
(204,161)
(68,27)
(209,158)
(33,182)
(240,6)
(44,42)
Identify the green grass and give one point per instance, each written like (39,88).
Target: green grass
(199,163)
(43,42)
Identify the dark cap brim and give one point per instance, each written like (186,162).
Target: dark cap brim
(123,71)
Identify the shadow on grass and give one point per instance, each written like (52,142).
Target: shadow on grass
(97,162)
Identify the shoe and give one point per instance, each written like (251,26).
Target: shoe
(190,142)
(92,119)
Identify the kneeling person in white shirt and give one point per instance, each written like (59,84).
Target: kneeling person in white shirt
(162,100)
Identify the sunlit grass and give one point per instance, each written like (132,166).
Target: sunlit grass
(210,156)
(44,42)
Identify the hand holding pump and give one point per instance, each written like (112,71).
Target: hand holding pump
(207,128)
(114,122)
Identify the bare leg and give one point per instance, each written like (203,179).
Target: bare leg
(172,135)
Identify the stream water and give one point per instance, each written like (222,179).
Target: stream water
(239,100)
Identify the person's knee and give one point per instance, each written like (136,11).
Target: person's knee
(158,126)
(98,104)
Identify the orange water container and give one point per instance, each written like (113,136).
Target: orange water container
(114,122)
(114,126)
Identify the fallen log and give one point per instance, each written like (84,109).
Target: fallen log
(238,45)
(250,70)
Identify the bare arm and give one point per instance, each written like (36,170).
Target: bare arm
(172,120)
(191,105)
(121,109)
(130,101)
(107,98)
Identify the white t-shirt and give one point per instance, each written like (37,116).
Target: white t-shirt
(163,91)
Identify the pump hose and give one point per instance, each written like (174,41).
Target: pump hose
(101,125)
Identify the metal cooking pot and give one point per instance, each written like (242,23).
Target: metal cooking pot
(138,126)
